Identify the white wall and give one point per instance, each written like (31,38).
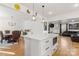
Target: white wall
(63,27)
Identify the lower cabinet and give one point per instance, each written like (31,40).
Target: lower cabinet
(35,47)
(27,46)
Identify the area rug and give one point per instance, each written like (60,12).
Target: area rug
(5,44)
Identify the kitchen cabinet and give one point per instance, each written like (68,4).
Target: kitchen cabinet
(38,47)
(27,46)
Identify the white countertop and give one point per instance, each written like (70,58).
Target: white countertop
(39,36)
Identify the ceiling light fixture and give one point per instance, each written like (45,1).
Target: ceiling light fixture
(43,13)
(72,20)
(33,17)
(76,5)
(17,7)
(28,11)
(34,14)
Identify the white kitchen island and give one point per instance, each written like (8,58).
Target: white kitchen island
(39,45)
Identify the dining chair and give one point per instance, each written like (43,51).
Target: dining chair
(16,35)
(1,36)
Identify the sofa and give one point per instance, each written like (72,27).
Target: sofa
(73,34)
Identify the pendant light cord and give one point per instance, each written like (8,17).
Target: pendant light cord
(33,8)
(43,10)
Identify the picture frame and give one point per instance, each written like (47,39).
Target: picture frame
(74,26)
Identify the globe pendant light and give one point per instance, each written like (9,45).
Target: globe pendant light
(28,11)
(33,17)
(17,7)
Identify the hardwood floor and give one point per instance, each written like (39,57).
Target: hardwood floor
(66,47)
(18,49)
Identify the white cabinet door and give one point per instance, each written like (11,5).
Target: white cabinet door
(45,45)
(31,47)
(27,46)
(34,47)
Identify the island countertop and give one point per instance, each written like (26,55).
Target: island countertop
(40,36)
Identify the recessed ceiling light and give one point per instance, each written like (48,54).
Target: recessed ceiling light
(72,20)
(76,5)
(50,13)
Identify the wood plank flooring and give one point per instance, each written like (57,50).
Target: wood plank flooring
(66,47)
(18,49)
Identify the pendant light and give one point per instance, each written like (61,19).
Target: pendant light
(17,7)
(43,20)
(34,14)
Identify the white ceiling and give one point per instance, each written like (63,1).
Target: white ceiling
(55,8)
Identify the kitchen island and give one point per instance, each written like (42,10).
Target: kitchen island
(39,45)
